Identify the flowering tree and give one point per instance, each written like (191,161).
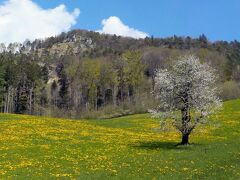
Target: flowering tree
(187,94)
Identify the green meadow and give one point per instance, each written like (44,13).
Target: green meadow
(130,147)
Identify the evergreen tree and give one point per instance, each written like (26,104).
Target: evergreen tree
(63,102)
(2,84)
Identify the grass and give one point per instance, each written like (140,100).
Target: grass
(129,147)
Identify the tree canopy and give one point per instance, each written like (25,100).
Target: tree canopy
(187,93)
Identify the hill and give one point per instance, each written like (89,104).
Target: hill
(84,74)
(128,147)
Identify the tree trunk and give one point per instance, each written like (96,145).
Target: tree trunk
(153,82)
(30,100)
(185,125)
(8,99)
(114,96)
(185,138)
(5,103)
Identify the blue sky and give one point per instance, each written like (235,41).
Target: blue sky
(217,19)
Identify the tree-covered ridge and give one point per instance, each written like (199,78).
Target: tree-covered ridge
(82,73)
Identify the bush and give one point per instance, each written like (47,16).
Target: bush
(141,105)
(230,90)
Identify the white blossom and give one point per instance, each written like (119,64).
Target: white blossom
(188,87)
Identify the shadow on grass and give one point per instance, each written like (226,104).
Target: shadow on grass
(152,145)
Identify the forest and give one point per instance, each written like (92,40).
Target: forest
(83,74)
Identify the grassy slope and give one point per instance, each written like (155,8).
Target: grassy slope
(35,147)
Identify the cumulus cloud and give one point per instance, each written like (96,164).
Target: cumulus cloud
(113,25)
(24,19)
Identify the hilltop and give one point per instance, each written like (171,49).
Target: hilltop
(90,43)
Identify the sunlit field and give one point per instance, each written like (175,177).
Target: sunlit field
(130,147)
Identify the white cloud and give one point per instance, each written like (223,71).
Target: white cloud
(113,25)
(24,19)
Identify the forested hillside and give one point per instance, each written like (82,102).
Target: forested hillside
(87,74)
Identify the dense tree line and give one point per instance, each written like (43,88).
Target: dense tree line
(31,86)
(114,73)
(20,76)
